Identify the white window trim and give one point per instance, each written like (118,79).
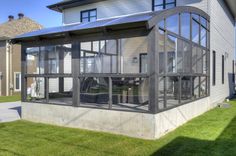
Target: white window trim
(17,90)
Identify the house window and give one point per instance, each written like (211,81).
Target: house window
(223,69)
(163,4)
(17,81)
(214,68)
(233,74)
(88,15)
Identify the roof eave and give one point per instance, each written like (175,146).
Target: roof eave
(59,7)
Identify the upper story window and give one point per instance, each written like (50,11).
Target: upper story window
(88,15)
(163,4)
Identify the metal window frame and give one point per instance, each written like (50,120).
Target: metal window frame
(153,57)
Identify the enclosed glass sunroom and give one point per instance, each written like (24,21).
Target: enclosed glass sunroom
(147,62)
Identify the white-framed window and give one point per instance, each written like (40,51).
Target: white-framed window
(17,81)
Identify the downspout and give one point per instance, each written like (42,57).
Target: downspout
(7,68)
(10,69)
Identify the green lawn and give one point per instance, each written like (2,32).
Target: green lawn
(212,134)
(9,98)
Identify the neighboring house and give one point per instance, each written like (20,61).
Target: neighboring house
(10,55)
(134,67)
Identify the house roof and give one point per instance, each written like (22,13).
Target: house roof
(70,4)
(143,20)
(11,29)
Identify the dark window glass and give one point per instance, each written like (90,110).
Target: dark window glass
(163,4)
(17,81)
(214,68)
(233,73)
(185,25)
(223,69)
(88,15)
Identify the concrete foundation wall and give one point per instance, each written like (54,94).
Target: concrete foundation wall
(140,125)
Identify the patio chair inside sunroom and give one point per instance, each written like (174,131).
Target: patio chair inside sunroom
(148,62)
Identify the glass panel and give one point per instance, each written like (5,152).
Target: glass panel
(170,1)
(194,59)
(203,37)
(203,87)
(158,2)
(94,92)
(172,91)
(161,41)
(93,13)
(85,14)
(130,93)
(185,25)
(60,91)
(84,20)
(195,87)
(171,54)
(161,94)
(17,81)
(143,63)
(204,22)
(131,48)
(204,58)
(169,6)
(67,59)
(36,90)
(99,58)
(32,60)
(158,8)
(186,89)
(195,32)
(196,17)
(186,57)
(172,23)
(92,19)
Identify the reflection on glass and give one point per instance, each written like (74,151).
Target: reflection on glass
(94,91)
(195,31)
(36,90)
(172,24)
(161,44)
(171,54)
(186,89)
(60,90)
(130,93)
(203,86)
(185,25)
(161,89)
(203,37)
(32,60)
(195,87)
(172,91)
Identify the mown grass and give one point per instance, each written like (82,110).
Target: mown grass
(213,133)
(10,98)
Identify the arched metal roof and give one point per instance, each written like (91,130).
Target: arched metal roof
(142,20)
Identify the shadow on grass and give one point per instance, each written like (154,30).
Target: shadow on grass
(225,144)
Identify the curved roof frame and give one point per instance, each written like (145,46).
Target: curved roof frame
(146,21)
(177,10)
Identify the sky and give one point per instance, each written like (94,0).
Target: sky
(34,9)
